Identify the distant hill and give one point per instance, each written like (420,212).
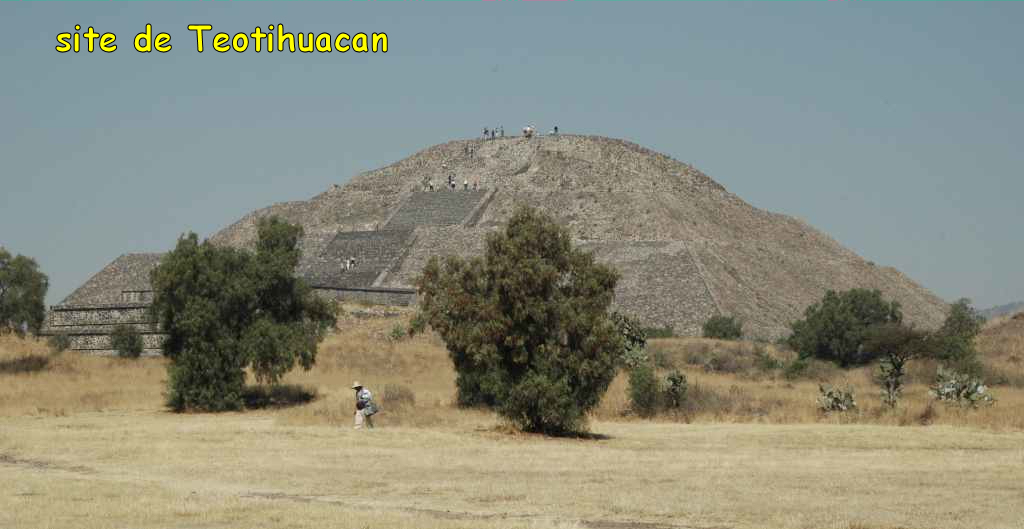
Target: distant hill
(1002,310)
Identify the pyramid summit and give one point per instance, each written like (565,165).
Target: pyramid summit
(687,248)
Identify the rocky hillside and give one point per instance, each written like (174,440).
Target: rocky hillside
(687,247)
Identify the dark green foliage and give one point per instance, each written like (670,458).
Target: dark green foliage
(896,344)
(22,291)
(955,340)
(634,335)
(59,342)
(644,393)
(723,328)
(659,332)
(675,390)
(526,325)
(225,309)
(834,329)
(126,341)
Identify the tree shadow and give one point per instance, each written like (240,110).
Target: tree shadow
(277,396)
(507,429)
(24,364)
(582,436)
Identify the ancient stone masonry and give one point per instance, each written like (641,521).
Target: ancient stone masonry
(88,326)
(372,252)
(438,208)
(685,246)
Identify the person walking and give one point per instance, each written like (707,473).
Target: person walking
(365,408)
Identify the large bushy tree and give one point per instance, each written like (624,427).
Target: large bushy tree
(955,339)
(834,329)
(225,309)
(22,294)
(527,325)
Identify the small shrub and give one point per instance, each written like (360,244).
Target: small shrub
(835,400)
(659,332)
(765,361)
(810,369)
(675,390)
(960,389)
(723,328)
(724,362)
(126,341)
(633,357)
(398,332)
(644,393)
(395,395)
(890,377)
(59,342)
(795,369)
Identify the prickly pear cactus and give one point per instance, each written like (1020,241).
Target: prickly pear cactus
(835,400)
(960,389)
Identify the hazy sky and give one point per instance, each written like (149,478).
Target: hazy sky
(895,128)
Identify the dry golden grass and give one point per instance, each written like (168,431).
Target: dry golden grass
(87,443)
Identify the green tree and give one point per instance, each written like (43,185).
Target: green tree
(644,391)
(527,325)
(723,328)
(896,344)
(834,329)
(22,293)
(956,338)
(126,341)
(225,309)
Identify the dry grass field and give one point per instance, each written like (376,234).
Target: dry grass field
(85,442)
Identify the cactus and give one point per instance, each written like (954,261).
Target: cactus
(833,399)
(960,389)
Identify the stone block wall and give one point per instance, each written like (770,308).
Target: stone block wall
(88,327)
(399,297)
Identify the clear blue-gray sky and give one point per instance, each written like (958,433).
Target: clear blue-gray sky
(894,127)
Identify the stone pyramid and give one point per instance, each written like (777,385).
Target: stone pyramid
(686,247)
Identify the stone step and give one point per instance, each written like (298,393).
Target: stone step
(373,251)
(435,208)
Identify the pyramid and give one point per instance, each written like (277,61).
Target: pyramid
(687,249)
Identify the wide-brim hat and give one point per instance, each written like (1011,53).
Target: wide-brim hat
(356,385)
